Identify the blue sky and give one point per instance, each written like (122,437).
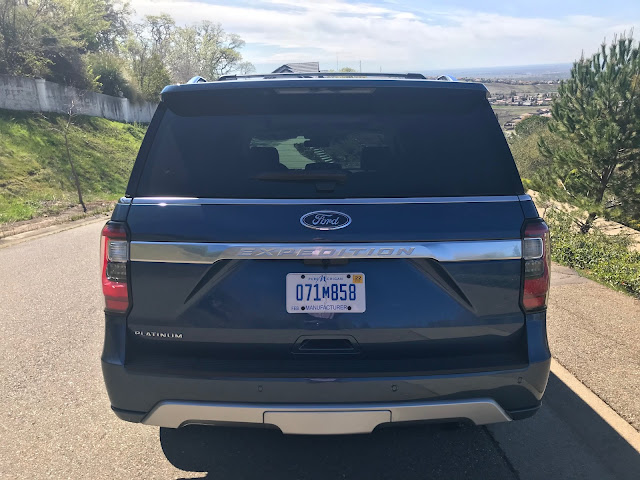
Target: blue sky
(395,35)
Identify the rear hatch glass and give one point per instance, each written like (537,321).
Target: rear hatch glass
(358,143)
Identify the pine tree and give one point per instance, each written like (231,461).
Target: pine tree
(596,119)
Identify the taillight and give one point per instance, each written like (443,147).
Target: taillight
(537,263)
(114,252)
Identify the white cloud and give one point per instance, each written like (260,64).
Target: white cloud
(278,31)
(334,7)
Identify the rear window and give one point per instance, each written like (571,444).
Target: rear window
(353,146)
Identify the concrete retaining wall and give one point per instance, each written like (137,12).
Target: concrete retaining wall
(38,95)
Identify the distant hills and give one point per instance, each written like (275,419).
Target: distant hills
(522,72)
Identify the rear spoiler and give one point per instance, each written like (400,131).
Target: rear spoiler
(313,95)
(200,86)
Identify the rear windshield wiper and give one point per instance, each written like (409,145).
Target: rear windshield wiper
(304,176)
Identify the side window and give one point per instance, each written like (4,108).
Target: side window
(169,170)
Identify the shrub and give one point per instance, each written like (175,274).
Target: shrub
(606,258)
(524,145)
(109,71)
(531,125)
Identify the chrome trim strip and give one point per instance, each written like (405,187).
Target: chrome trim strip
(208,253)
(184,201)
(323,419)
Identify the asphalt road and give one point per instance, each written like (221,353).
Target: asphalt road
(595,333)
(55,420)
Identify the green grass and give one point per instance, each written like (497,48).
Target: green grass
(35,177)
(604,258)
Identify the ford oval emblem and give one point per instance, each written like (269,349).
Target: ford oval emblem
(325,220)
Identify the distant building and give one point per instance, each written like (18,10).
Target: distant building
(306,67)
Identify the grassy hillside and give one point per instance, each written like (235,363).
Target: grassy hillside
(507,88)
(507,113)
(35,177)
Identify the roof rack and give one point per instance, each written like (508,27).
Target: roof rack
(197,79)
(414,76)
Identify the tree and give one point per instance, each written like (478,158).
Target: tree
(50,38)
(159,29)
(343,70)
(118,15)
(109,70)
(145,49)
(92,45)
(22,27)
(85,21)
(205,49)
(597,118)
(65,130)
(245,68)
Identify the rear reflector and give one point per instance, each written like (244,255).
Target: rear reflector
(114,254)
(537,264)
(117,251)
(532,248)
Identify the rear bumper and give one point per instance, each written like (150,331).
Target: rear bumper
(358,403)
(171,401)
(323,419)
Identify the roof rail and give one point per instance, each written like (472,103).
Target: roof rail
(447,78)
(197,79)
(417,76)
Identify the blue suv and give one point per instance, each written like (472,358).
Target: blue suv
(325,254)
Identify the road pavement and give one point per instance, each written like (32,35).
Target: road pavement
(55,420)
(595,333)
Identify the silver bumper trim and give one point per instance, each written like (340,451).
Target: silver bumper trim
(323,419)
(454,251)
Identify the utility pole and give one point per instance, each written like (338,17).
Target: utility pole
(360,66)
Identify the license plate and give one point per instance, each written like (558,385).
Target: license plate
(325,293)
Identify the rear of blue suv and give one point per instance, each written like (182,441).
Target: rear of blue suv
(325,255)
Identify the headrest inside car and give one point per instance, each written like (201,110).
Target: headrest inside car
(265,158)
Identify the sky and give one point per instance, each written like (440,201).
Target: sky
(412,35)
